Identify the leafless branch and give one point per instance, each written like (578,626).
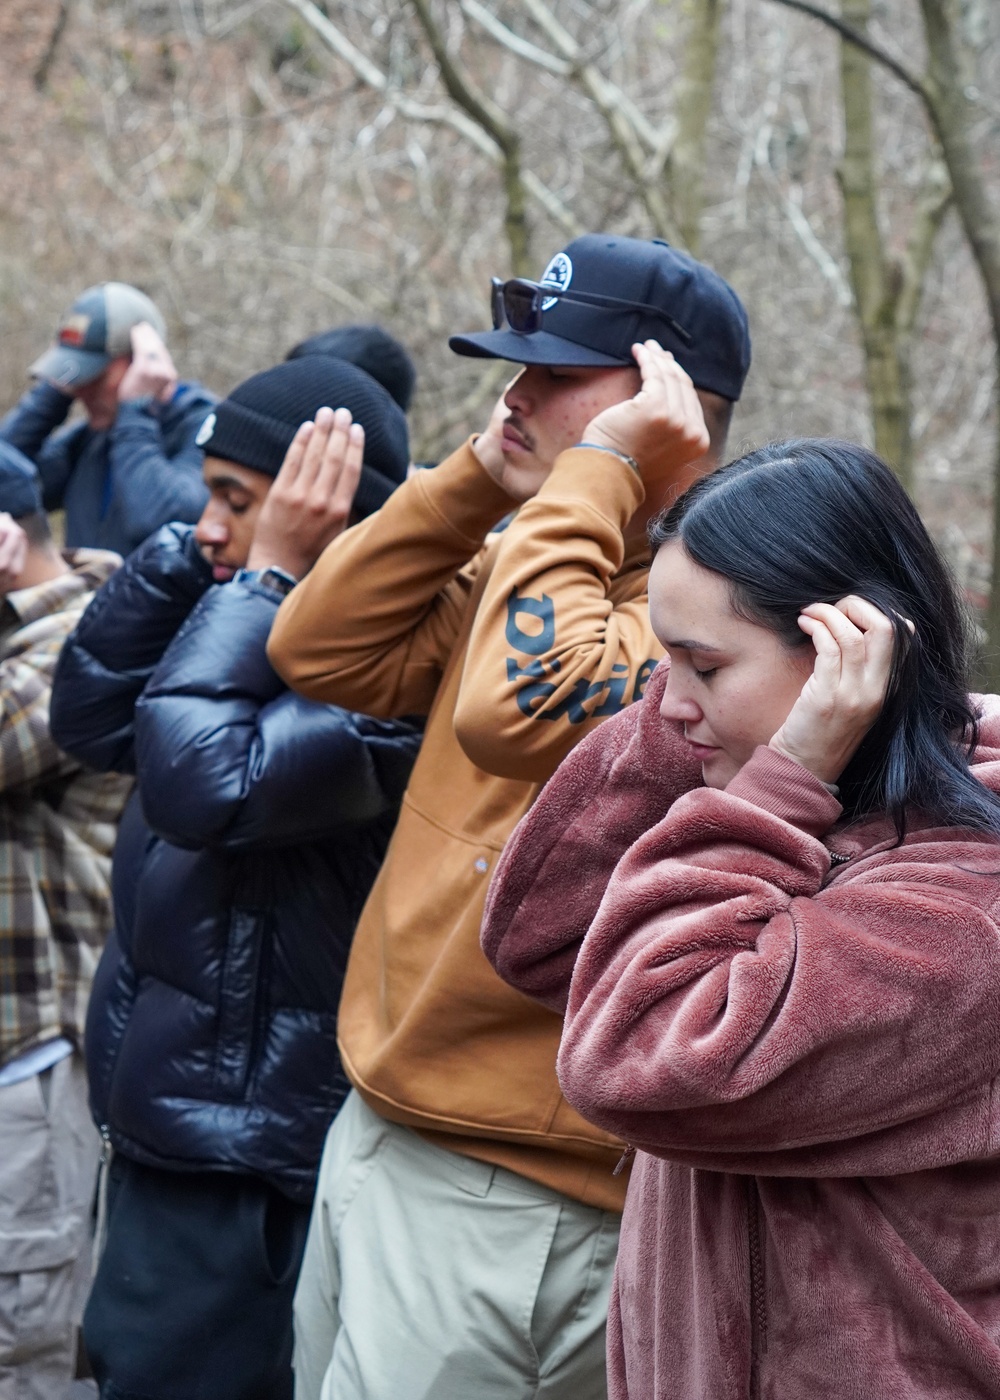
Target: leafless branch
(624,121)
(461,91)
(913,81)
(935,199)
(40,76)
(437,114)
(606,94)
(522,47)
(340,44)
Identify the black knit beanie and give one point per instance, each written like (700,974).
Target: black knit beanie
(370,348)
(255,425)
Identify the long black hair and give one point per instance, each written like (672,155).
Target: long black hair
(809,521)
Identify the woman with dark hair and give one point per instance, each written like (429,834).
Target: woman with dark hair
(768,899)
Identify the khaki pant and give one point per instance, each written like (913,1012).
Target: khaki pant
(49,1151)
(429,1276)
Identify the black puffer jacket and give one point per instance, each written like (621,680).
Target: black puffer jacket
(244,857)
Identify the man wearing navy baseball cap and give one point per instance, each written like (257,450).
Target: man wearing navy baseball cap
(133,463)
(466,1221)
(659,293)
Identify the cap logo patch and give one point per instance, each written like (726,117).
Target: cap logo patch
(205,431)
(74,332)
(558,274)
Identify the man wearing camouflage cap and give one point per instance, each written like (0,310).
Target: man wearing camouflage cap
(133,464)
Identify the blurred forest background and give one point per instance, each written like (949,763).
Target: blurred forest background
(267,168)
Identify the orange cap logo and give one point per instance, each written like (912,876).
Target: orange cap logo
(75,330)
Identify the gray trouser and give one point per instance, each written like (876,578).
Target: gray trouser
(49,1151)
(428,1274)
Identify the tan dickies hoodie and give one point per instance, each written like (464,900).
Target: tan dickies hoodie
(514,649)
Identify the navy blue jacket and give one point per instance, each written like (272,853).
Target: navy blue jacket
(118,485)
(244,857)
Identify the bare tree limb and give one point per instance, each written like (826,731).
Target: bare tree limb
(217,28)
(487,115)
(340,44)
(605,93)
(913,81)
(790,199)
(619,115)
(951,105)
(40,76)
(553,205)
(522,47)
(936,197)
(482,111)
(436,115)
(566,67)
(811,242)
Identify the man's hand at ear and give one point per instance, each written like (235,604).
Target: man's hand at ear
(152,371)
(310,501)
(663,426)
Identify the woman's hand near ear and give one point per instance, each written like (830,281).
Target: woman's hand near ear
(843,697)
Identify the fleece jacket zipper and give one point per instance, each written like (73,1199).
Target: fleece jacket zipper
(758,1304)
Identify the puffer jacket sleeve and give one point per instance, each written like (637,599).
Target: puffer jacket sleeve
(117,645)
(229,757)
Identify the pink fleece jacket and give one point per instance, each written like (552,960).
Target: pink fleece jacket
(795,1022)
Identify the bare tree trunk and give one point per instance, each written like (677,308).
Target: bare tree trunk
(950,103)
(876,281)
(955,115)
(693,108)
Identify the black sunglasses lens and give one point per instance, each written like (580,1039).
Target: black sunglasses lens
(521,304)
(496,302)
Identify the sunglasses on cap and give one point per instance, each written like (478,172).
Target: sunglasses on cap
(522,304)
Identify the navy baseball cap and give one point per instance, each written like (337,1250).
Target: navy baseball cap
(20,485)
(651,275)
(94,331)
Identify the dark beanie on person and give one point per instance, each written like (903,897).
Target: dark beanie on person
(255,424)
(20,485)
(370,348)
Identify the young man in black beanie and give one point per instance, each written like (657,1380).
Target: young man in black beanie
(57,828)
(258,825)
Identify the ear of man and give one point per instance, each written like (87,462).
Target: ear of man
(718,417)
(36,528)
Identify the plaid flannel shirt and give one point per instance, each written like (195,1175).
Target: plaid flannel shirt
(57,823)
